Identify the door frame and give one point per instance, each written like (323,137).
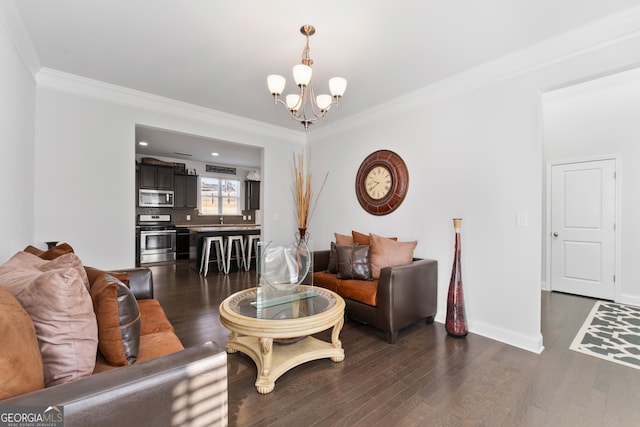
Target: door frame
(547,238)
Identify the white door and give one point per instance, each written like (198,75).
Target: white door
(583,228)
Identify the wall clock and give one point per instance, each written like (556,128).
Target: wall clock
(382,182)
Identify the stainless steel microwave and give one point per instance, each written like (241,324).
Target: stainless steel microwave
(155,198)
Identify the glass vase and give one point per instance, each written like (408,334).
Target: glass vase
(456,323)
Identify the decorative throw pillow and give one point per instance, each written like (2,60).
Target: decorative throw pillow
(343,239)
(61,311)
(62,256)
(353,262)
(389,253)
(20,361)
(53,253)
(332,265)
(118,319)
(365,239)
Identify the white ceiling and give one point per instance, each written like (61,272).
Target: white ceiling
(217,54)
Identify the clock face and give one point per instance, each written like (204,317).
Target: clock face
(382,182)
(378,182)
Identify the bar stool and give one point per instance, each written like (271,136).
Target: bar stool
(239,245)
(252,239)
(218,242)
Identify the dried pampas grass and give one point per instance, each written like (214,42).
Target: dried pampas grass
(302,190)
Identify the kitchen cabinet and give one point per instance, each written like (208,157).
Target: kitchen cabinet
(251,195)
(155,177)
(185,191)
(182,243)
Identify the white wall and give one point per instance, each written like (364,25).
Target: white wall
(17,107)
(85,166)
(474,150)
(600,118)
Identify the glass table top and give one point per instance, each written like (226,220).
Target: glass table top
(264,303)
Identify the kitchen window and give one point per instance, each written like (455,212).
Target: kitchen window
(219,196)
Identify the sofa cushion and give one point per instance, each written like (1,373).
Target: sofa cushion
(152,317)
(326,280)
(60,307)
(353,262)
(151,346)
(389,253)
(21,367)
(364,291)
(118,319)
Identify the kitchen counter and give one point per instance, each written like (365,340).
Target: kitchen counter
(221,227)
(197,233)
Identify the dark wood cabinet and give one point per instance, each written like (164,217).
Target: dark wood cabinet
(251,195)
(182,242)
(186,191)
(156,177)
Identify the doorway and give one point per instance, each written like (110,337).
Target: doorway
(582,232)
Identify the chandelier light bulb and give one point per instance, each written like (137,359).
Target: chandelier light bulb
(323,102)
(293,102)
(276,84)
(337,86)
(302,74)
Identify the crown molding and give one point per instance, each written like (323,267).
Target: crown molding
(11,22)
(73,84)
(603,32)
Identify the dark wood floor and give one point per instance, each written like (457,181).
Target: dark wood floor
(425,379)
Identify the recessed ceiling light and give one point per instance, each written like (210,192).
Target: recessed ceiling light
(215,154)
(144,143)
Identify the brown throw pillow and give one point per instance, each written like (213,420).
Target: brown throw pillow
(118,319)
(353,262)
(389,253)
(343,239)
(53,253)
(20,362)
(365,239)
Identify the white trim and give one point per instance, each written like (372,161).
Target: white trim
(48,78)
(11,22)
(533,344)
(603,32)
(617,158)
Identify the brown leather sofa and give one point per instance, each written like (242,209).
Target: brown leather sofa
(401,296)
(184,388)
(167,384)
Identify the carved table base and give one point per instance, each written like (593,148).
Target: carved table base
(254,337)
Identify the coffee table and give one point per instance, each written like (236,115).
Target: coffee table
(277,336)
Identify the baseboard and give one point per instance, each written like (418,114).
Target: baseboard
(629,300)
(532,344)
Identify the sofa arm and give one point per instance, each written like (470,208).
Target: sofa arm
(184,388)
(140,282)
(320,260)
(408,292)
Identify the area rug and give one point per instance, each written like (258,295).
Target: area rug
(611,332)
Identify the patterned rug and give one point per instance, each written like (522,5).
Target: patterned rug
(611,332)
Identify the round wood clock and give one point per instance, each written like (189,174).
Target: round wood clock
(382,182)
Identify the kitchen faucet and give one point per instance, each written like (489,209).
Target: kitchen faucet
(221,220)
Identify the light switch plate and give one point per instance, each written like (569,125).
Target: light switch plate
(522,219)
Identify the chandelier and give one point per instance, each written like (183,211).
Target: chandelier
(296,103)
